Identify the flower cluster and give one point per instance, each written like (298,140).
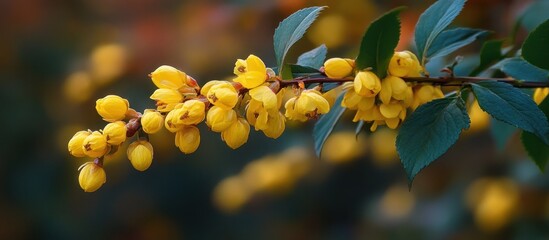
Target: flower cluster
(383,101)
(253,98)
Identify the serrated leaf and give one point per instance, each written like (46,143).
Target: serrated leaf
(432,22)
(536,149)
(510,105)
(535,14)
(326,123)
(453,39)
(379,42)
(314,58)
(429,132)
(519,69)
(489,53)
(535,48)
(290,30)
(501,132)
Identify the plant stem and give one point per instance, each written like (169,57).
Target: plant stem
(442,81)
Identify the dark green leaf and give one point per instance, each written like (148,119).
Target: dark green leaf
(510,105)
(536,149)
(519,69)
(303,70)
(535,49)
(326,124)
(490,53)
(314,58)
(535,14)
(451,40)
(432,22)
(501,132)
(429,132)
(379,42)
(290,30)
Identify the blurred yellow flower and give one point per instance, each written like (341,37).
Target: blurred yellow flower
(540,94)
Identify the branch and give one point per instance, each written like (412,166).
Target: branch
(442,81)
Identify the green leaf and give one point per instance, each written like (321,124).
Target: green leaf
(489,53)
(535,14)
(451,40)
(290,30)
(519,69)
(536,149)
(379,42)
(510,105)
(298,70)
(429,132)
(501,133)
(535,49)
(314,58)
(432,22)
(326,124)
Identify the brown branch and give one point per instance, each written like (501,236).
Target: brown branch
(442,81)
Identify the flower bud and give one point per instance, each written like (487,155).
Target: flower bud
(166,99)
(223,95)
(140,154)
(192,112)
(115,132)
(204,90)
(250,73)
(168,77)
(219,119)
(76,143)
(237,134)
(404,64)
(540,94)
(151,121)
(95,145)
(92,177)
(338,67)
(187,139)
(112,108)
(170,122)
(367,84)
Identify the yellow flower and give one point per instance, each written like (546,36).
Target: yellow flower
(151,121)
(264,95)
(168,77)
(115,132)
(237,134)
(112,108)
(250,73)
(276,124)
(172,119)
(219,119)
(204,90)
(291,111)
(372,114)
(308,105)
(338,67)
(540,94)
(95,145)
(390,110)
(92,177)
(140,153)
(367,84)
(353,101)
(187,139)
(392,87)
(257,115)
(426,93)
(76,143)
(404,64)
(166,99)
(192,112)
(223,95)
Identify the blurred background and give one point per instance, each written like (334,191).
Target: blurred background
(58,57)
